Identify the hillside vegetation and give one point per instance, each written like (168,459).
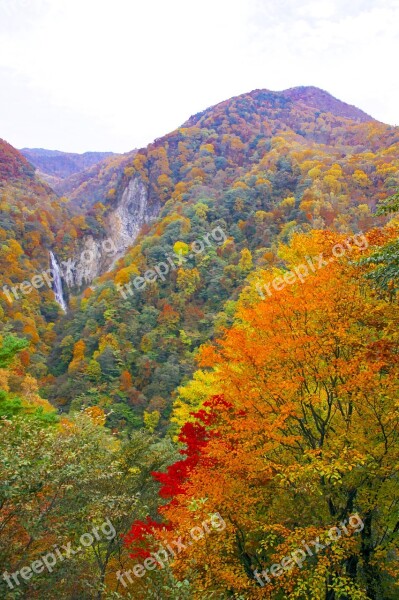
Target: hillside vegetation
(216,415)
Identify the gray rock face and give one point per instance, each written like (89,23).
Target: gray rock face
(90,261)
(122,224)
(125,221)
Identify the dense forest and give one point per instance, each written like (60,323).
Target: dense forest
(216,415)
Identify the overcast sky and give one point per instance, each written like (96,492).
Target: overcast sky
(80,75)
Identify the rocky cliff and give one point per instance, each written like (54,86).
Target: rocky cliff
(122,224)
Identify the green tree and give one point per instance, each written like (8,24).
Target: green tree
(56,484)
(9,347)
(385,261)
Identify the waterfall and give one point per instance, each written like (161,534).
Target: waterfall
(58,291)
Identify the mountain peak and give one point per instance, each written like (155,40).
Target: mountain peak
(291,107)
(325,102)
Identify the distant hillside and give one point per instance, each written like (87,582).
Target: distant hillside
(60,165)
(85,179)
(95,183)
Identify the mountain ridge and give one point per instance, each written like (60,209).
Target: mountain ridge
(312,97)
(60,164)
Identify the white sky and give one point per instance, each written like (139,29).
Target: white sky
(79,75)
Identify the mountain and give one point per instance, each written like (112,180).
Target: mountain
(54,166)
(158,253)
(214,199)
(253,170)
(311,100)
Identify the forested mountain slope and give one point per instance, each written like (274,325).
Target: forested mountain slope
(31,218)
(252,169)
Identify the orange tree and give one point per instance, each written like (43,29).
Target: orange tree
(302,435)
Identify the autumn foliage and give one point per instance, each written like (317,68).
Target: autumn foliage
(304,432)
